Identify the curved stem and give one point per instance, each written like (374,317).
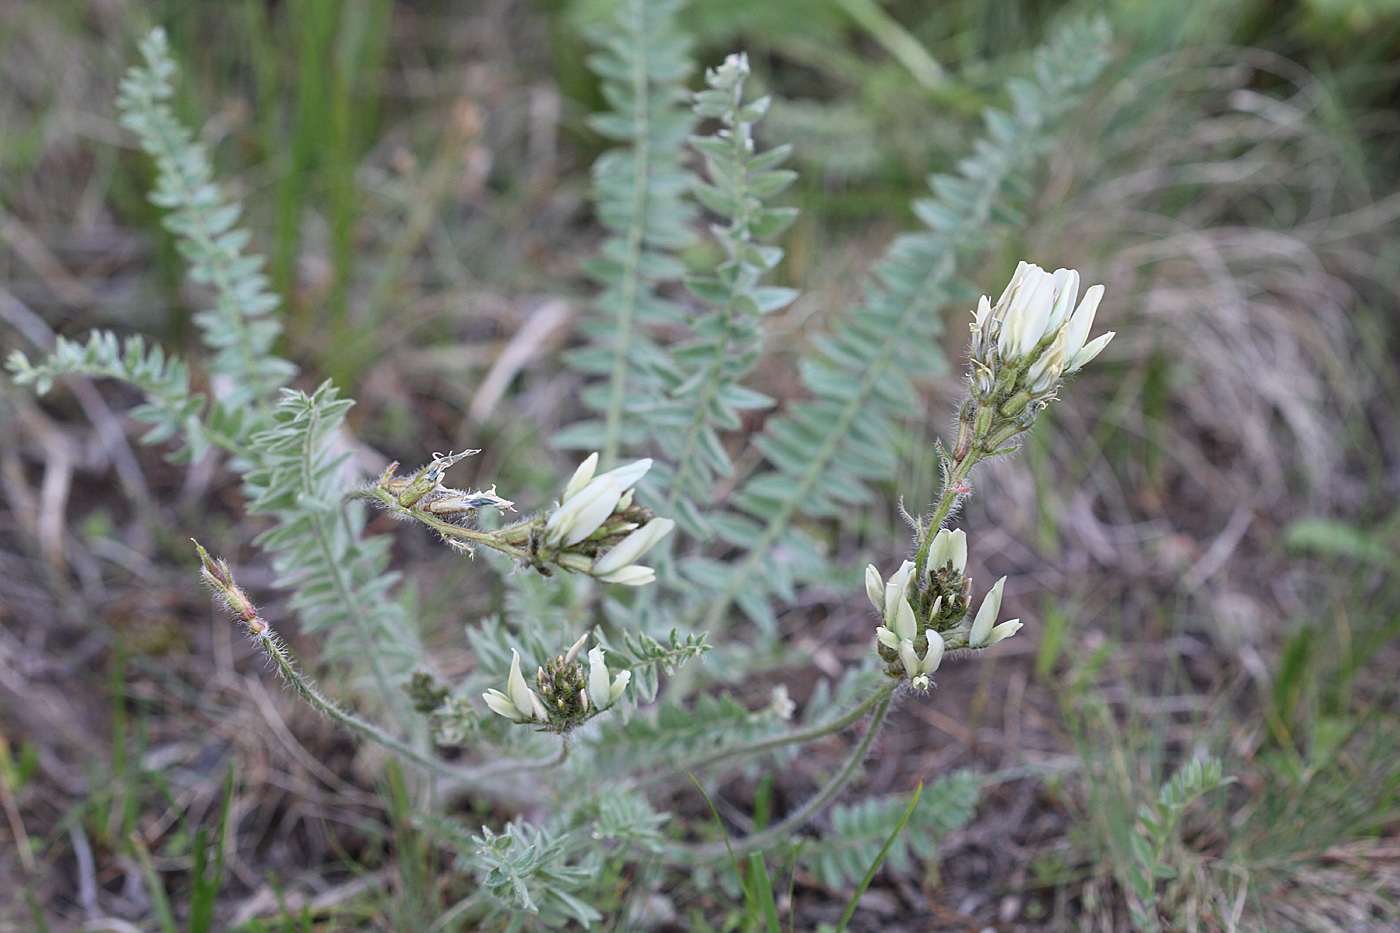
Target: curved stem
(783,829)
(777,741)
(276,650)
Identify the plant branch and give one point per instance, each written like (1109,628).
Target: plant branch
(782,830)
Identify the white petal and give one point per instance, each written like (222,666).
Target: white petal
(981,315)
(1082,320)
(633,546)
(1004,630)
(581,515)
(887,638)
(1022,269)
(1035,315)
(895,589)
(619,684)
(582,476)
(627,475)
(959,553)
(934,655)
(908,657)
(599,687)
(631,575)
(500,703)
(982,625)
(1066,291)
(1046,371)
(904,623)
(1089,352)
(940,549)
(875,588)
(516,688)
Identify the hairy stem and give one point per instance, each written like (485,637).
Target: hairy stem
(782,830)
(930,296)
(759,746)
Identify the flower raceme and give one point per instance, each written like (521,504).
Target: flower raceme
(1032,324)
(567,696)
(1022,347)
(924,615)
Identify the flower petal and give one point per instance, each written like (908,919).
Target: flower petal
(986,615)
(875,588)
(633,546)
(631,575)
(582,476)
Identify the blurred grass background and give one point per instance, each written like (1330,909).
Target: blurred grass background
(1203,536)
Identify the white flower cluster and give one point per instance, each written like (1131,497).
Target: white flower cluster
(1035,308)
(901,625)
(521,704)
(588,502)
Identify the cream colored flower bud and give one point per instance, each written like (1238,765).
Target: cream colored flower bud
(986,615)
(948,546)
(875,588)
(602,691)
(1027,314)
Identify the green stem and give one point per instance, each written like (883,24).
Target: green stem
(953,488)
(631,264)
(783,830)
(788,738)
(928,299)
(344,586)
(277,652)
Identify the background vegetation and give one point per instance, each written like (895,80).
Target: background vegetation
(1202,537)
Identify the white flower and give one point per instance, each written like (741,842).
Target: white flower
(781,703)
(898,613)
(983,633)
(948,546)
(588,500)
(875,588)
(919,669)
(519,703)
(616,565)
(1035,307)
(602,692)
